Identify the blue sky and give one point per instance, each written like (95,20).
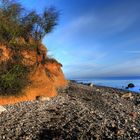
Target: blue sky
(94,38)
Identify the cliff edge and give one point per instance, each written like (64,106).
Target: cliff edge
(27,72)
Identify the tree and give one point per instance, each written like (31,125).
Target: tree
(16,22)
(10,14)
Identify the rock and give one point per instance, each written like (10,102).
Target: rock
(130,85)
(91,84)
(135,130)
(137,101)
(73,81)
(2,109)
(81,83)
(88,84)
(127,95)
(120,132)
(134,115)
(42,98)
(97,90)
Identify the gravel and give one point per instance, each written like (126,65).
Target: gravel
(79,112)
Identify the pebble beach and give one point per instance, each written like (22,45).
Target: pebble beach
(79,112)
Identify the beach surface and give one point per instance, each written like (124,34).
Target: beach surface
(79,112)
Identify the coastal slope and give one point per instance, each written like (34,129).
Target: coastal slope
(27,72)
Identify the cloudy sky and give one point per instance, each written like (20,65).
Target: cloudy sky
(94,38)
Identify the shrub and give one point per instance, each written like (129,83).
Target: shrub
(13,79)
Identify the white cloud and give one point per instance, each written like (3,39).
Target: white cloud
(128,68)
(84,52)
(97,25)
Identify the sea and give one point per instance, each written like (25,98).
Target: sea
(115,83)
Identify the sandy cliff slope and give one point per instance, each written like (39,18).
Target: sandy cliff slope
(45,74)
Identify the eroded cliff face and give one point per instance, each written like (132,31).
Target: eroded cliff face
(45,75)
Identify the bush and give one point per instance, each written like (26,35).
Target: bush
(13,79)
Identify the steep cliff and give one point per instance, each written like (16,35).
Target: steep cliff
(38,75)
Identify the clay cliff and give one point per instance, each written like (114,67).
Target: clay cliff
(43,77)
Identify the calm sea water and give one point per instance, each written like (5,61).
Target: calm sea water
(120,84)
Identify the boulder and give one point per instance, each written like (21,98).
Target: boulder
(130,85)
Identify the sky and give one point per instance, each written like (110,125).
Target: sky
(94,38)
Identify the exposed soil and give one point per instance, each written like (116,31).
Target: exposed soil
(79,112)
(42,77)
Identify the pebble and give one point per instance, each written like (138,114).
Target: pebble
(97,89)
(91,85)
(2,109)
(120,132)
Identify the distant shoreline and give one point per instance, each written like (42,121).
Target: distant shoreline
(118,84)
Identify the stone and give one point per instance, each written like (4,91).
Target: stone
(73,81)
(137,101)
(2,109)
(127,95)
(120,132)
(42,98)
(134,115)
(91,84)
(130,85)
(88,84)
(135,130)
(97,89)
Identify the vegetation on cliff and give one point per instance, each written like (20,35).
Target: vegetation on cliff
(23,57)
(16,22)
(13,78)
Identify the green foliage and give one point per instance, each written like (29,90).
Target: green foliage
(21,29)
(9,23)
(13,78)
(16,22)
(13,44)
